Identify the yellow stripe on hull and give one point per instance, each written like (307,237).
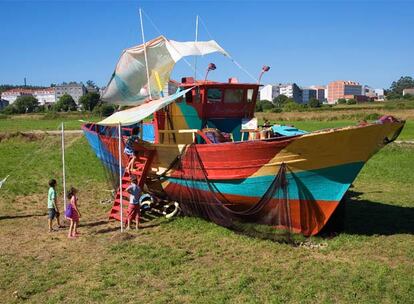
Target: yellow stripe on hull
(331,148)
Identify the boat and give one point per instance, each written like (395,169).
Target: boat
(201,146)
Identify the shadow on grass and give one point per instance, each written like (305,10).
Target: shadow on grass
(94,224)
(146,222)
(365,217)
(10,217)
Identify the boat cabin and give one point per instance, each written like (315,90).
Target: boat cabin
(209,105)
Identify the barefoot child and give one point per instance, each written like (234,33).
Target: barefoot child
(129,148)
(72,213)
(53,210)
(133,207)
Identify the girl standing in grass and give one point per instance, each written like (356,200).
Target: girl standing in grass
(72,213)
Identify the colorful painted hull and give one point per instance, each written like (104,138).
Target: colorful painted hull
(320,168)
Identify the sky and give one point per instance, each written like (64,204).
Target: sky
(307,42)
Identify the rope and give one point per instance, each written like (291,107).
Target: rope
(211,37)
(230,57)
(159,32)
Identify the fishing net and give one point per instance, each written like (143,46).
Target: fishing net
(199,196)
(104,141)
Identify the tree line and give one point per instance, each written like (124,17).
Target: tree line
(397,88)
(283,103)
(89,102)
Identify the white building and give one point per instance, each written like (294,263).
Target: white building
(369,92)
(269,92)
(380,94)
(291,90)
(45,96)
(13,94)
(408,91)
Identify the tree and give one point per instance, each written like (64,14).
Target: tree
(26,104)
(351,101)
(65,103)
(341,101)
(398,86)
(408,96)
(291,105)
(266,105)
(280,100)
(89,101)
(258,107)
(314,103)
(104,109)
(9,110)
(90,83)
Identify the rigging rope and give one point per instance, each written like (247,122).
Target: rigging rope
(211,37)
(230,57)
(159,32)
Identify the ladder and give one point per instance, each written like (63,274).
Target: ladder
(140,170)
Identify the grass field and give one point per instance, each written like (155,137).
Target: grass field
(44,122)
(189,260)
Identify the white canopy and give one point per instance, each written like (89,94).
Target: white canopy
(136,114)
(129,83)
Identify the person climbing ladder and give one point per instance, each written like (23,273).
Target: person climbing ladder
(129,148)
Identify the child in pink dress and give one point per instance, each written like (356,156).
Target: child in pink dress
(72,213)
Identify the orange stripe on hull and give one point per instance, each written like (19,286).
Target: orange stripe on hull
(307,217)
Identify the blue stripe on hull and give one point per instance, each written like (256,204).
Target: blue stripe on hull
(328,184)
(101,152)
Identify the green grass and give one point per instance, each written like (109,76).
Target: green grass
(189,260)
(71,121)
(44,122)
(40,160)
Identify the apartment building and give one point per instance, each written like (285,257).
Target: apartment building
(13,94)
(308,94)
(291,90)
(45,96)
(320,92)
(340,89)
(74,89)
(269,92)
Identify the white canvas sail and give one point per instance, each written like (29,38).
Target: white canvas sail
(139,113)
(129,85)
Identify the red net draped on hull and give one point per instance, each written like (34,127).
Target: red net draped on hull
(199,197)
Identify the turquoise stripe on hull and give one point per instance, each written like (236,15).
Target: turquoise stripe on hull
(328,184)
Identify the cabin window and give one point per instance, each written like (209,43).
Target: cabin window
(193,96)
(196,95)
(189,97)
(214,95)
(233,96)
(250,93)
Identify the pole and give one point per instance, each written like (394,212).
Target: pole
(63,167)
(120,176)
(195,58)
(145,53)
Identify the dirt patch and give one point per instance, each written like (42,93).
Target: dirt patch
(122,237)
(23,136)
